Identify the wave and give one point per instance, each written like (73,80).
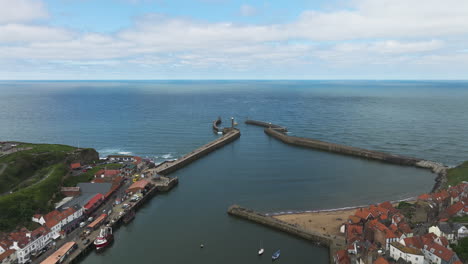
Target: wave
(334,209)
(112,151)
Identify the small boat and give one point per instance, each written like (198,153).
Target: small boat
(260,252)
(104,239)
(276,255)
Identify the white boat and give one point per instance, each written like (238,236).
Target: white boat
(260,252)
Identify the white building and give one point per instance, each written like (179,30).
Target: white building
(408,254)
(27,243)
(437,254)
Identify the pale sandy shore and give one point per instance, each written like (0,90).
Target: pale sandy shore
(323,222)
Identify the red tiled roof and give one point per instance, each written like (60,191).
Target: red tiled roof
(440,251)
(353,230)
(38,216)
(137,160)
(342,257)
(454,209)
(428,238)
(424,197)
(51,223)
(5,243)
(98,197)
(354,219)
(381,260)
(363,213)
(441,196)
(141,184)
(6,254)
(444,241)
(75,165)
(405,228)
(107,173)
(382,228)
(415,242)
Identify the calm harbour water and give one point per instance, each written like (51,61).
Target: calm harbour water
(166,119)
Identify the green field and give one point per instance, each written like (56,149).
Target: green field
(458,174)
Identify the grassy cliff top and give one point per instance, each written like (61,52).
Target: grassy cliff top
(31,177)
(458,174)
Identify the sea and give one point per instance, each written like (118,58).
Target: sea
(163,120)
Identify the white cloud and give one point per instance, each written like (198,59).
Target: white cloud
(247,10)
(370,32)
(386,19)
(21,11)
(31,33)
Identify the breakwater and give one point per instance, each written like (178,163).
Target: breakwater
(277,132)
(266,124)
(167,167)
(332,242)
(216,124)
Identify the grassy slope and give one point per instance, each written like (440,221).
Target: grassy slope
(22,166)
(17,208)
(458,174)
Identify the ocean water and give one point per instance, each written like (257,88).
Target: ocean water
(166,119)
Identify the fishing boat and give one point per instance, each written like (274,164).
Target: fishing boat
(276,255)
(260,252)
(105,238)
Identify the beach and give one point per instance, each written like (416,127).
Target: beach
(326,222)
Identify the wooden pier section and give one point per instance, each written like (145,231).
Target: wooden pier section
(332,242)
(171,166)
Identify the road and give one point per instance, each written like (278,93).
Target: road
(74,235)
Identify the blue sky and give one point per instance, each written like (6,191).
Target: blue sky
(230,39)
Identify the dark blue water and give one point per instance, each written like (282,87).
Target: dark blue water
(166,119)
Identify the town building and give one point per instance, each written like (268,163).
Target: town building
(139,186)
(408,254)
(8,257)
(435,253)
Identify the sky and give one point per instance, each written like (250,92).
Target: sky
(231,39)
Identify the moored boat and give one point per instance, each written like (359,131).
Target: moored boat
(260,252)
(276,255)
(105,238)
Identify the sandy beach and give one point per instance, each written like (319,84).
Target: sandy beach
(323,222)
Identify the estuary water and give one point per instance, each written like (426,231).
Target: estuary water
(166,119)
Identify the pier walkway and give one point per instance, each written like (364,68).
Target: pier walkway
(278,132)
(171,166)
(332,242)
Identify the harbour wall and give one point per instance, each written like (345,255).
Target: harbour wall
(165,168)
(278,132)
(266,124)
(341,149)
(216,124)
(163,184)
(333,243)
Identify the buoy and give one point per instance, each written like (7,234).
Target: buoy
(201,246)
